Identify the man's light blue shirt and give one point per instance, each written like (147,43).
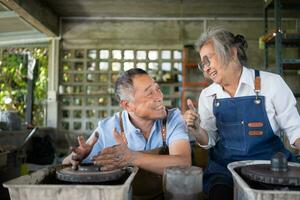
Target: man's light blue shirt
(176,130)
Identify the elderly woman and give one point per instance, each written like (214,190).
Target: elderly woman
(241,114)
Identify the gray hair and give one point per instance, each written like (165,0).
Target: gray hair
(223,41)
(124,84)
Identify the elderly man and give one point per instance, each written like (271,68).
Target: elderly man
(145,134)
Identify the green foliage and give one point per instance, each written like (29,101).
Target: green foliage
(13,82)
(40,91)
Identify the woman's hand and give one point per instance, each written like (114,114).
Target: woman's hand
(192,118)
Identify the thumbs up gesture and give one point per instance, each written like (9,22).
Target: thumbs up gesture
(191,117)
(191,105)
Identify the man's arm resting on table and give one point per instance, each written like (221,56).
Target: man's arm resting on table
(179,155)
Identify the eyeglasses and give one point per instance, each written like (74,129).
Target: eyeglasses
(203,63)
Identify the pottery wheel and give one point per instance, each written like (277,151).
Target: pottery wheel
(88,174)
(263,173)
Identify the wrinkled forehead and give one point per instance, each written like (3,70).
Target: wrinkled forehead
(142,83)
(206,52)
(206,49)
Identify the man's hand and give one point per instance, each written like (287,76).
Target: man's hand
(81,152)
(115,157)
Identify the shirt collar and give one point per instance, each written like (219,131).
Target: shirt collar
(135,129)
(128,122)
(247,78)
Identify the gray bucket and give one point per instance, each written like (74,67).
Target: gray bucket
(242,191)
(29,187)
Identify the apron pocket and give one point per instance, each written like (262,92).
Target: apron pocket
(233,135)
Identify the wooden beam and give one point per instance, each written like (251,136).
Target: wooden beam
(36,14)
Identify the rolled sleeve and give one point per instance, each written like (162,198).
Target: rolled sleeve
(287,115)
(208,120)
(176,128)
(212,138)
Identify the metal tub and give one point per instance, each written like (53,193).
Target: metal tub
(242,191)
(34,187)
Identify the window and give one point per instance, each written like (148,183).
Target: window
(88,75)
